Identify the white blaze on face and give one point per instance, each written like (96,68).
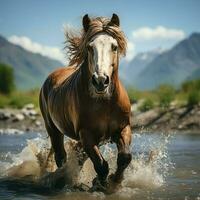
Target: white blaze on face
(103,54)
(102,57)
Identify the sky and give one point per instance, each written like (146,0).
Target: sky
(37,25)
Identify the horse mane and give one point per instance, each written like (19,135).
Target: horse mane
(76,43)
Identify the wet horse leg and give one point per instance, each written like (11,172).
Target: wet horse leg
(100,165)
(123,142)
(57,142)
(81,154)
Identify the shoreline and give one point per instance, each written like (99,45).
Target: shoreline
(176,119)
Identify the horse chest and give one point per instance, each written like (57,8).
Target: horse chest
(104,125)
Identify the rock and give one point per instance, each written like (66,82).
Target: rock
(11,131)
(29,106)
(180,127)
(38,123)
(27,129)
(18,117)
(29,113)
(135,106)
(25,112)
(180,111)
(33,118)
(4,115)
(164,118)
(145,118)
(33,113)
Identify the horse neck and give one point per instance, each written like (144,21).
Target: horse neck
(116,84)
(84,75)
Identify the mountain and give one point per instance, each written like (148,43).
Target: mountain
(173,66)
(194,75)
(130,70)
(146,71)
(30,69)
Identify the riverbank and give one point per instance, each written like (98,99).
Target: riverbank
(175,119)
(26,119)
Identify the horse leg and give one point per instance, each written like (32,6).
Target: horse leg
(81,154)
(124,156)
(57,142)
(100,165)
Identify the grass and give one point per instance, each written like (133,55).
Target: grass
(188,94)
(193,98)
(18,99)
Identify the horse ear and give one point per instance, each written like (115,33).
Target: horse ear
(114,20)
(86,22)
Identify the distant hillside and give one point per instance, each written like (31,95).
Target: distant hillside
(130,70)
(30,69)
(194,75)
(173,66)
(146,71)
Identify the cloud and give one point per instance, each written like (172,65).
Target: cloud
(159,32)
(28,44)
(130,51)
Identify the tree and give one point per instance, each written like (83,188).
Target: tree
(6,79)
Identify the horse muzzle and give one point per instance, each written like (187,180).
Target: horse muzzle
(100,82)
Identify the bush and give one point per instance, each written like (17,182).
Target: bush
(193,98)
(148,104)
(6,79)
(133,95)
(166,95)
(190,85)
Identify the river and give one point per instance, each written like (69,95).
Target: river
(163,167)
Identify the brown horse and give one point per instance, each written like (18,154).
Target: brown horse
(86,100)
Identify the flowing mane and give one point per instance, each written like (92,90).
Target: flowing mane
(76,44)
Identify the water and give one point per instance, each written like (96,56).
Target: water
(163,167)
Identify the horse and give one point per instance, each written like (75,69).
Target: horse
(86,101)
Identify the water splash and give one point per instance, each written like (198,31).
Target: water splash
(148,170)
(150,166)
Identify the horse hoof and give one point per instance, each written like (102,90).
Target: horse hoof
(98,185)
(113,184)
(117,179)
(60,162)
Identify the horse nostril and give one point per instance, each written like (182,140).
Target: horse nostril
(100,82)
(107,80)
(94,81)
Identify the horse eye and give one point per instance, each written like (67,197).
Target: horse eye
(114,47)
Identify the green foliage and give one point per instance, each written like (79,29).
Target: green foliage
(3,101)
(6,79)
(133,94)
(148,104)
(166,94)
(193,98)
(18,99)
(189,86)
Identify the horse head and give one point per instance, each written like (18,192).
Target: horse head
(102,54)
